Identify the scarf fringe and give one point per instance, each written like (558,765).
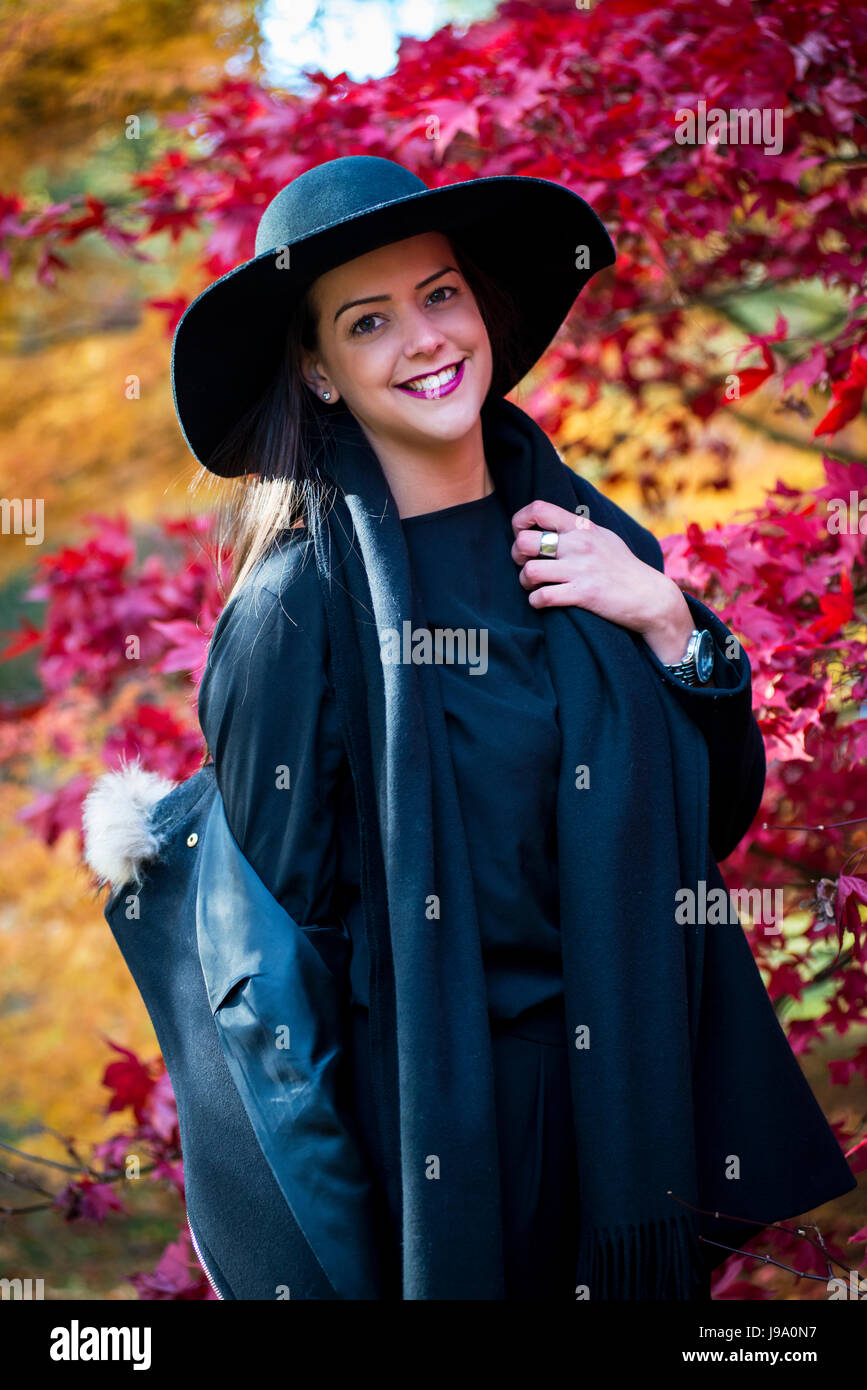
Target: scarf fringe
(657,1259)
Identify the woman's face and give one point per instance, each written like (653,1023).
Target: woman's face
(400,312)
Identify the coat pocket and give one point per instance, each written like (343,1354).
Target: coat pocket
(334,946)
(281,1029)
(228,973)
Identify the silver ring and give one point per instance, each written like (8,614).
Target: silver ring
(548,543)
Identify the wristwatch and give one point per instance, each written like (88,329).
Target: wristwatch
(696,667)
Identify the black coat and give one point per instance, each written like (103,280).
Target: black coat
(279,1195)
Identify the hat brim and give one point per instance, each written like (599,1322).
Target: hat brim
(524,231)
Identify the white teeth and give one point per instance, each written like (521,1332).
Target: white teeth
(429,383)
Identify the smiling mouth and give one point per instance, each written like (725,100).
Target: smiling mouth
(435,384)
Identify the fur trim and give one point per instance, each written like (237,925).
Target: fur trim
(115,821)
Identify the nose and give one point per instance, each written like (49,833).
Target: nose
(422,337)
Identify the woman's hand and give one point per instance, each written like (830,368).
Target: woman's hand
(596,570)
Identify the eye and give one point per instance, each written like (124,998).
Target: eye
(357,332)
(441,289)
(364,318)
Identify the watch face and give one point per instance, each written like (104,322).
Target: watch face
(704,656)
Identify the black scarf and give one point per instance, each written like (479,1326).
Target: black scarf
(626,844)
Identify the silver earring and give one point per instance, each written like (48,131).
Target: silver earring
(326,395)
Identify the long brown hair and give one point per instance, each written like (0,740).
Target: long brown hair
(278,445)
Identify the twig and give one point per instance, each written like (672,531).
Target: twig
(767,1225)
(37,1158)
(25,1182)
(92,1173)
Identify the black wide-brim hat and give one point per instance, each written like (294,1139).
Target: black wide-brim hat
(527,233)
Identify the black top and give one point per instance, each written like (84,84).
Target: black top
(501,717)
(268,712)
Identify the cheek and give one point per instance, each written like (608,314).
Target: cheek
(473,319)
(475,330)
(363,369)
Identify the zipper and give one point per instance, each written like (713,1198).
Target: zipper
(202,1262)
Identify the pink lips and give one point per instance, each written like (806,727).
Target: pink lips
(435,392)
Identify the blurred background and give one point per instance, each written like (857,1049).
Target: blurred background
(712,384)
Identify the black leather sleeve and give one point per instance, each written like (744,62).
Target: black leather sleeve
(270,720)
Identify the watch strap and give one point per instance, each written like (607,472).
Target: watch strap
(685,669)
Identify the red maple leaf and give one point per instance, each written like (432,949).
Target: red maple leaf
(851,891)
(28,635)
(172,308)
(837,610)
(848,395)
(86,1200)
(711,554)
(752,378)
(161,1109)
(130,1080)
(188,650)
(176,1276)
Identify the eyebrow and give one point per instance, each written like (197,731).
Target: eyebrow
(353,303)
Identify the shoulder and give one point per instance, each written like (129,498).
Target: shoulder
(271,639)
(603,512)
(281,596)
(288,575)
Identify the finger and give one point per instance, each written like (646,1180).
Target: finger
(545,514)
(526,546)
(543,571)
(555,596)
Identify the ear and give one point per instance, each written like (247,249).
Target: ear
(313,373)
(115,818)
(315,379)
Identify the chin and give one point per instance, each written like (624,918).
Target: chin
(458,424)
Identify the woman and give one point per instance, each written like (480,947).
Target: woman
(536,1073)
